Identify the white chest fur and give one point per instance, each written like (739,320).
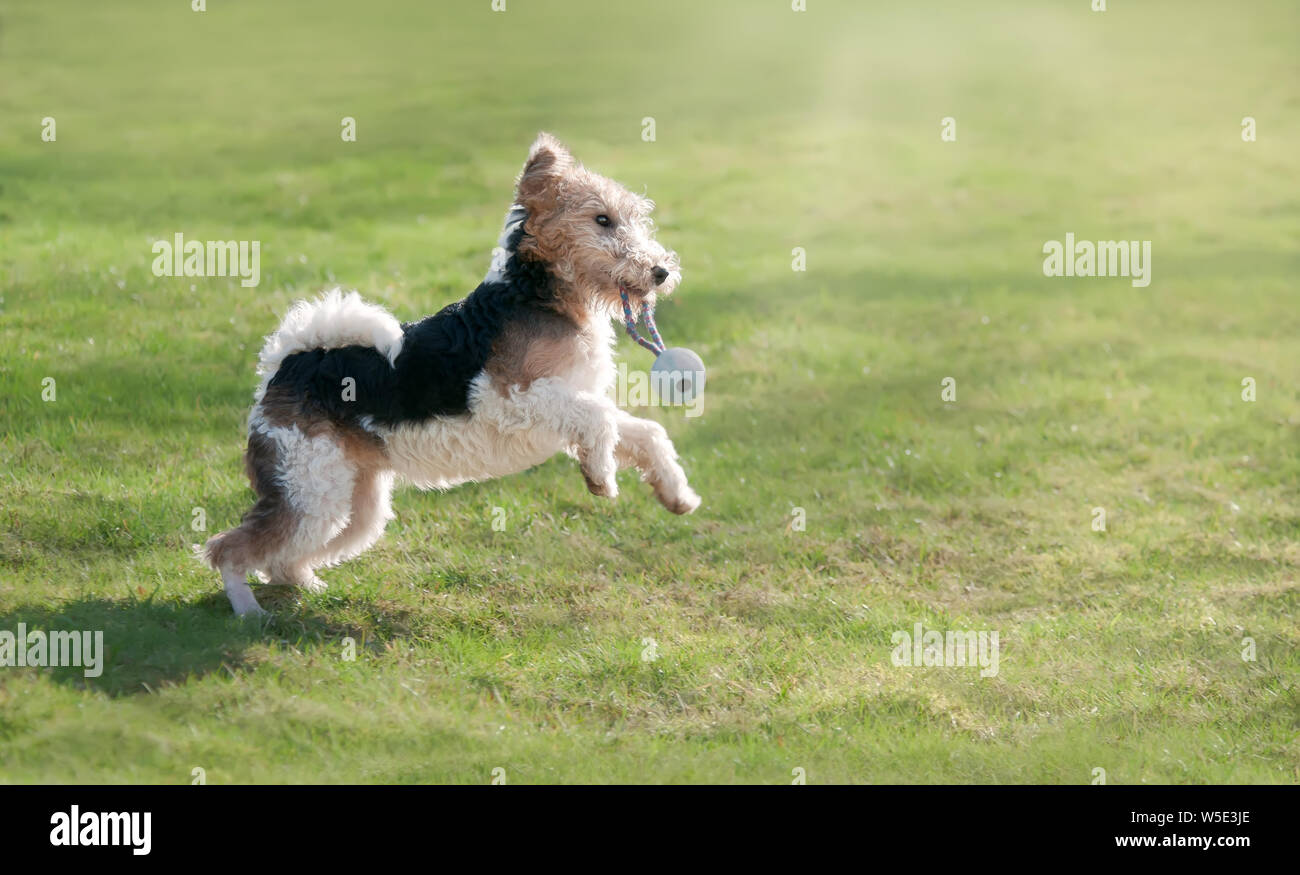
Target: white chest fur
(503,434)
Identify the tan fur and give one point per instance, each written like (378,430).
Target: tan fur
(563,198)
(528,350)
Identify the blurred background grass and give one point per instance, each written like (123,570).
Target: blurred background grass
(775,129)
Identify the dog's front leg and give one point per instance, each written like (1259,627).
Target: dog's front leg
(645,444)
(585,421)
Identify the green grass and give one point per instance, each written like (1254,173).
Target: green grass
(522,649)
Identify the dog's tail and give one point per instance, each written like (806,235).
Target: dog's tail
(333,320)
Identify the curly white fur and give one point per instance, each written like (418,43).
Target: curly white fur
(333,320)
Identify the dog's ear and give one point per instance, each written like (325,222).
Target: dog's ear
(548,160)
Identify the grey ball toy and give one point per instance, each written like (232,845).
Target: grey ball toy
(678,376)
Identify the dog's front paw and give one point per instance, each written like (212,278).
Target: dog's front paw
(598,469)
(685,501)
(605,488)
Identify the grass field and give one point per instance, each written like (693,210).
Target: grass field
(523,649)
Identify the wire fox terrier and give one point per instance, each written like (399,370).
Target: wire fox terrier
(491,385)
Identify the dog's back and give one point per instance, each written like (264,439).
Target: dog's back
(437,359)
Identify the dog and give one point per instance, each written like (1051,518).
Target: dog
(518,371)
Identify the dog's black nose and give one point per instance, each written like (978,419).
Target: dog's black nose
(660,275)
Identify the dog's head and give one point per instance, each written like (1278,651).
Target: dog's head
(595,235)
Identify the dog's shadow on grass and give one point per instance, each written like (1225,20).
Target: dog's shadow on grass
(151,644)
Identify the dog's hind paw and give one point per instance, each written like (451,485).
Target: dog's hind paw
(245,605)
(313,584)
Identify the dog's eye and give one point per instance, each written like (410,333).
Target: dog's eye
(602,220)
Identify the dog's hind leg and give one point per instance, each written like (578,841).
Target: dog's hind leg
(319,480)
(295,572)
(261,533)
(644,444)
(240,594)
(371,511)
(244,549)
(304,486)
